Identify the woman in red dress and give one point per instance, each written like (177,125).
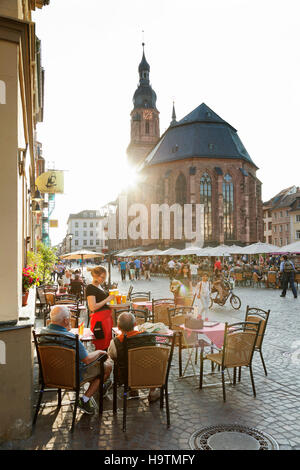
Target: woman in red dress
(101,318)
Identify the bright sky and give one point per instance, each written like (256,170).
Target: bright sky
(240,57)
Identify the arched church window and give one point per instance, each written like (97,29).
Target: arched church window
(181,190)
(228,207)
(206,200)
(147,127)
(160,191)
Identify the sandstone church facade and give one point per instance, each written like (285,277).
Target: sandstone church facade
(199,159)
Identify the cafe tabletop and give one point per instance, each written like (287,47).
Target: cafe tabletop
(117,306)
(117,332)
(87,334)
(145,303)
(215,333)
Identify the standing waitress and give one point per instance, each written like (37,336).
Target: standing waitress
(101,317)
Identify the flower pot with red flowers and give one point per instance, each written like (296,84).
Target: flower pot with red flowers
(29,279)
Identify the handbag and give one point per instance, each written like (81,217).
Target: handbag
(98,330)
(193,323)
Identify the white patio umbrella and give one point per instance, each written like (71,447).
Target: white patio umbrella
(259,248)
(172,252)
(291,248)
(82,254)
(223,250)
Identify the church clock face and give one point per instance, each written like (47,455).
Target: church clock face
(148,115)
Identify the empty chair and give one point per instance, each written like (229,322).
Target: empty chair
(257,315)
(160,310)
(238,348)
(140,296)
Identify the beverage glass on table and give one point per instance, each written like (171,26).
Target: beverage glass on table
(118,298)
(124,298)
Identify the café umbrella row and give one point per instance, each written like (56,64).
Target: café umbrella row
(221,250)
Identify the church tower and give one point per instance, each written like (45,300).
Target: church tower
(144,117)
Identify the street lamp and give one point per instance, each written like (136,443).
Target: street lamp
(70,240)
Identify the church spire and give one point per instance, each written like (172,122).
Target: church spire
(173,122)
(144,69)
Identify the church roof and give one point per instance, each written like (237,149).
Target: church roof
(201,133)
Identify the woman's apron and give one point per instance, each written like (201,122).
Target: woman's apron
(107,323)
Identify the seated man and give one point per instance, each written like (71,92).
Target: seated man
(76,286)
(60,323)
(126,324)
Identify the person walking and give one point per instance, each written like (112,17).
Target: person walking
(287,269)
(123,270)
(137,263)
(203,290)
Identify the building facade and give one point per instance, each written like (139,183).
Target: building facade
(282,214)
(87,231)
(21,109)
(199,159)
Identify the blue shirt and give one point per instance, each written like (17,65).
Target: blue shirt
(282,265)
(65,341)
(123,265)
(137,263)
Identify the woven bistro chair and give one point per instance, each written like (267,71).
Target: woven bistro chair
(145,367)
(272,279)
(239,279)
(42,304)
(140,314)
(160,310)
(255,280)
(140,296)
(59,369)
(238,348)
(257,315)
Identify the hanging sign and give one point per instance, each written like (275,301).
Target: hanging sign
(51,182)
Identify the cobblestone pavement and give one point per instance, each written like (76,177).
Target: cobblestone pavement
(275,410)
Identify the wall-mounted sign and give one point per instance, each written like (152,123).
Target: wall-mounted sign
(51,182)
(53,223)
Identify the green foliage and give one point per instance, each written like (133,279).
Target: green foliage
(44,259)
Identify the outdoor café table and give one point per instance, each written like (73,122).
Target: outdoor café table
(116,332)
(214,334)
(87,336)
(146,303)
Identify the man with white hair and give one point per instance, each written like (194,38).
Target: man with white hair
(60,322)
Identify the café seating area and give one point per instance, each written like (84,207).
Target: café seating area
(178,337)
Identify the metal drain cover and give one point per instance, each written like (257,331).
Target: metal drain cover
(231,437)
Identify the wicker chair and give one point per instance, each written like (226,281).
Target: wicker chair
(272,279)
(145,367)
(239,279)
(238,348)
(257,315)
(160,310)
(140,296)
(255,280)
(59,369)
(141,315)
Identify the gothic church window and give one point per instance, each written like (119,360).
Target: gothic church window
(228,207)
(181,190)
(206,199)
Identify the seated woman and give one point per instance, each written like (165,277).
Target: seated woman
(97,299)
(76,286)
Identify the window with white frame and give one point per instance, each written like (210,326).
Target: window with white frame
(298,218)
(298,234)
(85,242)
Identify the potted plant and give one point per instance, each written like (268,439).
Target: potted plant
(29,279)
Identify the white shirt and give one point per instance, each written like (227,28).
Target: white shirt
(171,264)
(194,269)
